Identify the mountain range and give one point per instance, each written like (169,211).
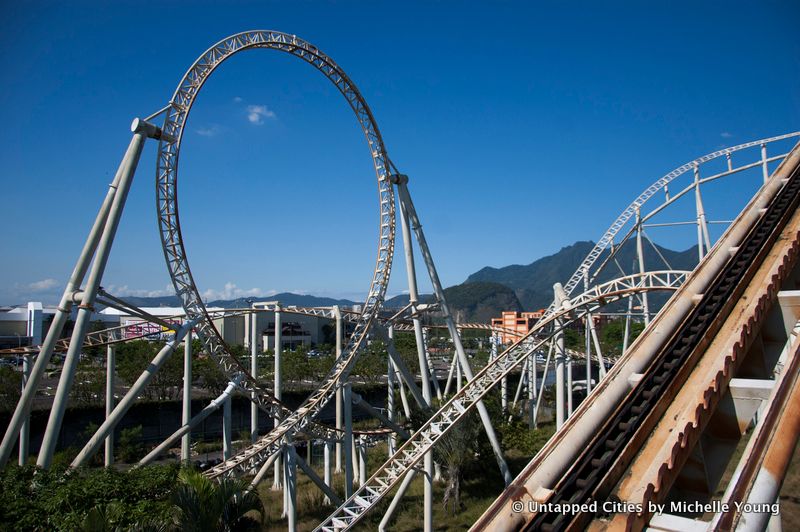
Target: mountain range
(533,283)
(489,291)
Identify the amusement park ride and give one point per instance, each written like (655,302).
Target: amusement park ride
(748,273)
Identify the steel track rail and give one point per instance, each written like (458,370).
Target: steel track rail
(176,115)
(646,401)
(608,237)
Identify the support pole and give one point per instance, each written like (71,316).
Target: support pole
(25,430)
(263,471)
(503,381)
(431,370)
(93,445)
(111,363)
(560,359)
(764,167)
(640,260)
(401,491)
(347,444)
(362,461)
(390,408)
(291,484)
(327,468)
(416,226)
(254,351)
(588,334)
(186,441)
(569,386)
(276,387)
(323,486)
(227,429)
(339,399)
(22,411)
(702,226)
(532,390)
(451,373)
(626,338)
(87,297)
(187,427)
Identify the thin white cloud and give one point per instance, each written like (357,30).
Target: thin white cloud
(126,291)
(725,135)
(208,131)
(43,286)
(257,113)
(237,99)
(231,291)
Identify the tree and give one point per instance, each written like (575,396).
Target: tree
(612,336)
(455,450)
(10,386)
(201,505)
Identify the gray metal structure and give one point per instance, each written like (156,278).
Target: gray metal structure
(275,448)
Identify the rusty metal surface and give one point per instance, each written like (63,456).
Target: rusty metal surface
(607,456)
(658,463)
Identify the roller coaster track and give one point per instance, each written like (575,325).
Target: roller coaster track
(599,462)
(607,240)
(412,451)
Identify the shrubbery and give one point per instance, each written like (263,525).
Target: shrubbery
(34,499)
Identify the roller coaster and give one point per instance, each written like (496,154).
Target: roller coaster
(615,444)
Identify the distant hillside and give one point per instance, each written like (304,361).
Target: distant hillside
(470,302)
(533,283)
(285,298)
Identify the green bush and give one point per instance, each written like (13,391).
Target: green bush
(58,499)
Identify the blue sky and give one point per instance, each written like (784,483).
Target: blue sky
(533,116)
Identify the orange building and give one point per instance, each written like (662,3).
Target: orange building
(519,322)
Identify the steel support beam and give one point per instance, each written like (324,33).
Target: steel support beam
(186,416)
(127,401)
(87,296)
(111,363)
(416,226)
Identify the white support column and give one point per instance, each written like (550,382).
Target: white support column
(434,379)
(23,408)
(390,407)
(407,204)
(703,237)
(339,399)
(347,444)
(588,334)
(254,352)
(560,359)
(764,167)
(111,363)
(503,382)
(532,390)
(451,373)
(290,478)
(327,473)
(626,338)
(227,429)
(186,441)
(87,297)
(25,430)
(640,260)
(569,386)
(186,428)
(93,445)
(362,461)
(401,491)
(276,386)
(423,366)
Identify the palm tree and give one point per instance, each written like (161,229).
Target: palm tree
(202,505)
